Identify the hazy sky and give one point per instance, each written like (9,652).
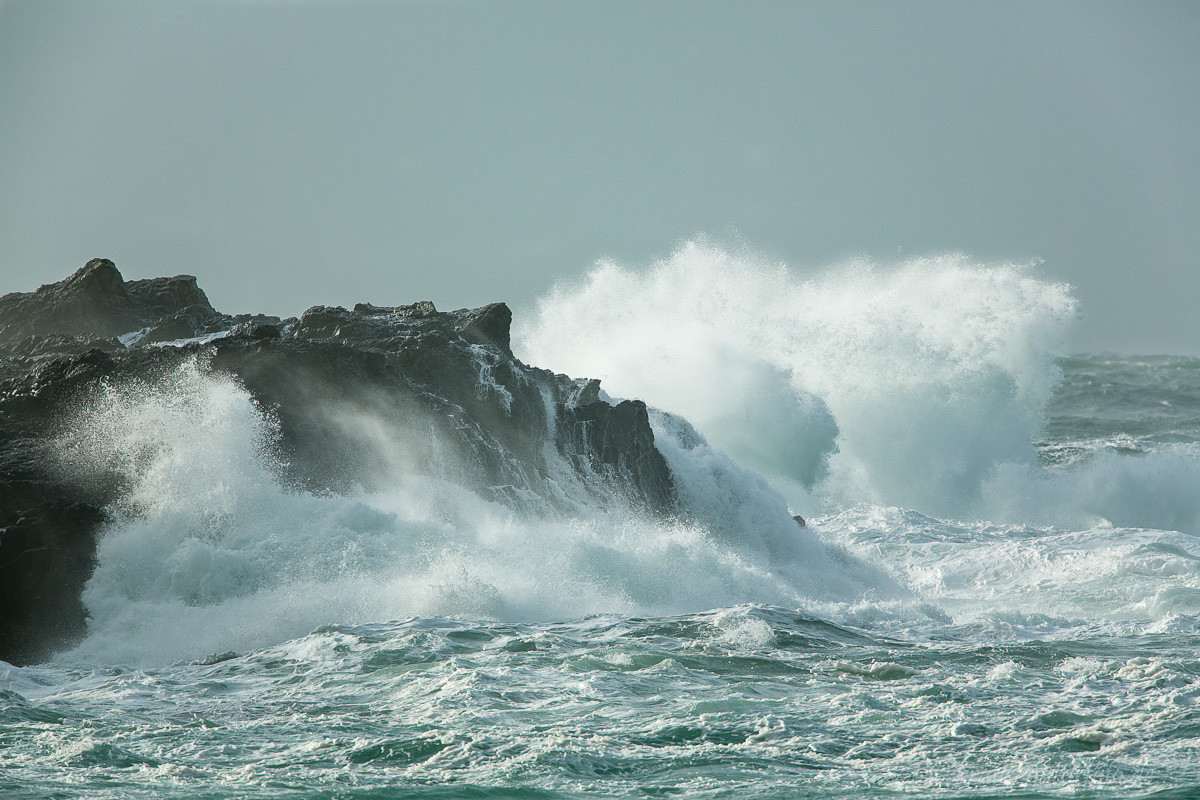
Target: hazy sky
(295,153)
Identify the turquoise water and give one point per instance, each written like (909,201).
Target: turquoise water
(1125,404)
(750,701)
(997,593)
(907,655)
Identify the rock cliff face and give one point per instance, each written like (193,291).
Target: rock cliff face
(445,385)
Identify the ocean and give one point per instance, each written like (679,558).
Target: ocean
(996,593)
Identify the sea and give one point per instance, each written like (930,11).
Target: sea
(996,592)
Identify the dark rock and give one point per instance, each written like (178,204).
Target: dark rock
(259,326)
(616,444)
(444,385)
(491,324)
(184,324)
(95,303)
(263,330)
(92,302)
(800,521)
(589,392)
(156,298)
(46,555)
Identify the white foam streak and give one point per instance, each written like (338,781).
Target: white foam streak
(1030,579)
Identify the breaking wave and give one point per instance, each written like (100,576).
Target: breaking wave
(865,395)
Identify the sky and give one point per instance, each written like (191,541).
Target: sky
(297,152)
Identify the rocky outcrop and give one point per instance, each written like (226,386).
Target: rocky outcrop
(95,303)
(445,385)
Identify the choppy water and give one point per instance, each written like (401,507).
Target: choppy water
(748,701)
(998,594)
(1129,405)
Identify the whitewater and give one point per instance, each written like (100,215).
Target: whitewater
(996,592)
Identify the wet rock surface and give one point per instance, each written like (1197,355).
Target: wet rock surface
(441,388)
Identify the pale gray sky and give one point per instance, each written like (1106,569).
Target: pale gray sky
(294,153)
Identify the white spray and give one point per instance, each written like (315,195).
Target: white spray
(208,552)
(912,381)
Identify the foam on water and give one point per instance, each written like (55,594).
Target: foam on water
(209,552)
(917,386)
(750,701)
(965,616)
(1021,582)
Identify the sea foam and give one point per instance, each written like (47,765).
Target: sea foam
(918,386)
(210,551)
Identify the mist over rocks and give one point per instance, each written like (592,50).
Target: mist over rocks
(355,398)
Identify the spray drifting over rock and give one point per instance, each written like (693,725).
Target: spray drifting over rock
(353,398)
(200,464)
